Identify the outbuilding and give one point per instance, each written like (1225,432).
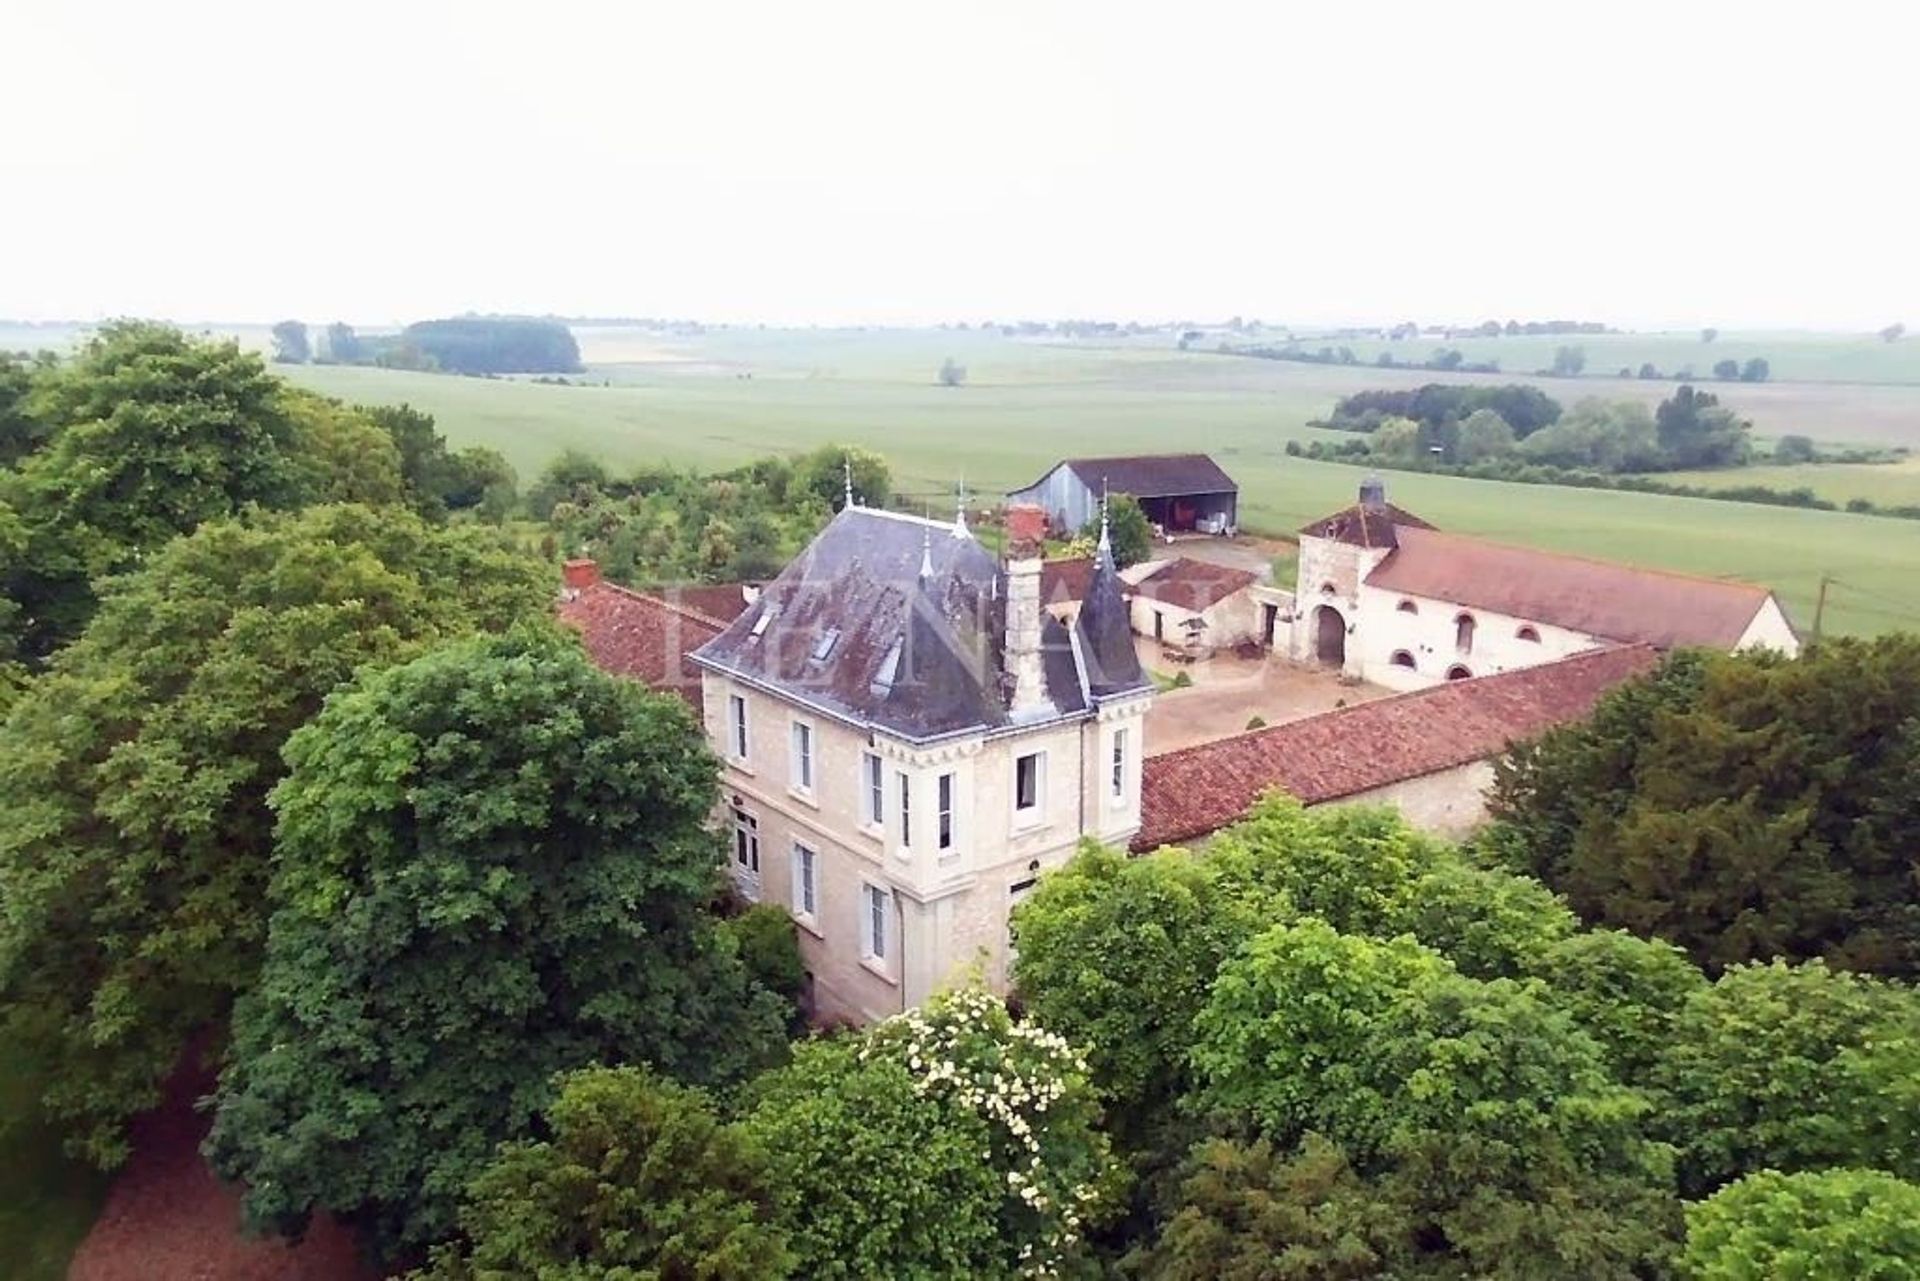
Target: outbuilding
(1178,492)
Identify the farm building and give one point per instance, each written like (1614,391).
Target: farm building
(1178,492)
(1197,604)
(1385,597)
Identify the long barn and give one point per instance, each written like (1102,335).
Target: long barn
(1178,492)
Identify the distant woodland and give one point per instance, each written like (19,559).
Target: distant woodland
(457,345)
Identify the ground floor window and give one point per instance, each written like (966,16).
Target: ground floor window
(746,851)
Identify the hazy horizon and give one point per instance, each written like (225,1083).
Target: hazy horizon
(863,164)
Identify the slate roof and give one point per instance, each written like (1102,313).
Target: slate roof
(1365,525)
(1597,597)
(1149,475)
(633,634)
(1197,790)
(1103,633)
(1065,580)
(1193,584)
(854,628)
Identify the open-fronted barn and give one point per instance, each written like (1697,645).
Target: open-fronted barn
(1178,492)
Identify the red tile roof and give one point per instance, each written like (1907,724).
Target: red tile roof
(1193,584)
(1601,598)
(632,634)
(1365,525)
(1065,579)
(1196,790)
(722,602)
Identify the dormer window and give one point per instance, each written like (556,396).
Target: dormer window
(882,683)
(760,624)
(824,645)
(1528,632)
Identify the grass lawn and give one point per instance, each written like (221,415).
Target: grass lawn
(47,1202)
(724,397)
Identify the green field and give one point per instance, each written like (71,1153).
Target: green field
(720,398)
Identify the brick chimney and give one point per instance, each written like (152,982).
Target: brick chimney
(1023,617)
(1026,524)
(580,573)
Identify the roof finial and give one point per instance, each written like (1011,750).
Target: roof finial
(846,468)
(926,552)
(1106,539)
(960,508)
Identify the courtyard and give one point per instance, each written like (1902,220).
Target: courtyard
(1228,691)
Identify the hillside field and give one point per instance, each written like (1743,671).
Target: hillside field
(718,399)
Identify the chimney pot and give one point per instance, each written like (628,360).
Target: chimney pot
(1026,524)
(579,573)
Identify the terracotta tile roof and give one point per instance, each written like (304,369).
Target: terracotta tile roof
(632,634)
(1601,598)
(722,602)
(1148,475)
(1193,584)
(1365,525)
(1065,579)
(1188,793)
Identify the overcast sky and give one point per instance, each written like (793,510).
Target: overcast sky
(1679,163)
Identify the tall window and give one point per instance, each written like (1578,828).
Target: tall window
(1463,633)
(1119,781)
(746,850)
(906,809)
(737,725)
(806,881)
(872,791)
(875,907)
(944,811)
(1028,782)
(802,764)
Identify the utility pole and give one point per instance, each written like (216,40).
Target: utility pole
(1820,605)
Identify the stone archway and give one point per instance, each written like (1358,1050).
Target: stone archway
(1329,636)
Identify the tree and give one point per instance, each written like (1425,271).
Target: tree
(1726,370)
(1709,334)
(1627,993)
(290,345)
(768,944)
(1755,370)
(1695,430)
(1128,530)
(1648,370)
(492,865)
(339,454)
(1893,332)
(1569,361)
(822,473)
(489,345)
(1607,436)
(1833,1225)
(1792,1068)
(952,373)
(343,345)
(573,477)
(948,1141)
(135,844)
(1484,434)
(1397,438)
(1744,806)
(638,1179)
(1794,449)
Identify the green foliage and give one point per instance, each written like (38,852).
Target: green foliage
(639,1179)
(491,865)
(947,1141)
(1695,430)
(1483,434)
(1439,407)
(1834,1225)
(1490,924)
(1606,435)
(1792,1068)
(341,455)
(134,847)
(1726,370)
(1129,532)
(1742,806)
(1352,866)
(438,481)
(1794,449)
(290,345)
(1250,1211)
(494,345)
(1625,992)
(952,373)
(1569,361)
(768,944)
(48,1200)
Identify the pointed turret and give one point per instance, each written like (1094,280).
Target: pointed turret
(1105,633)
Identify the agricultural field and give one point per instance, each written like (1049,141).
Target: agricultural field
(716,399)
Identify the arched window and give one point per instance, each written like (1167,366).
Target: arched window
(1407,607)
(1401,658)
(1458,672)
(1528,632)
(1327,589)
(1463,633)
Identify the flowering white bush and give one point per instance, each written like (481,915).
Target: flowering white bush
(1031,1088)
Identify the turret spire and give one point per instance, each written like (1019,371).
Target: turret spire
(960,509)
(1106,537)
(846,469)
(926,553)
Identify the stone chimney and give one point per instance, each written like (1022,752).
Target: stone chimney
(1026,524)
(1373,494)
(1023,620)
(580,573)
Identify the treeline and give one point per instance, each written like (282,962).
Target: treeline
(461,345)
(1570,362)
(663,524)
(1443,359)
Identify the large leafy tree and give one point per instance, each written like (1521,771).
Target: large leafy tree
(1741,806)
(948,1141)
(135,841)
(1792,1068)
(1829,1225)
(491,865)
(639,1179)
(1506,1138)
(1626,992)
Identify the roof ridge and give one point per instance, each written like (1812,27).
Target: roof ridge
(685,611)
(1248,736)
(1602,561)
